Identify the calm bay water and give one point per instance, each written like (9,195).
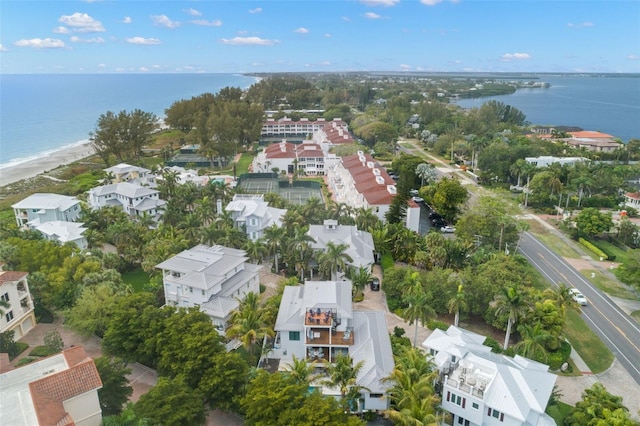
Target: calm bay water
(43,113)
(607,104)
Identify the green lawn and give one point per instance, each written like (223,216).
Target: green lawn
(559,412)
(610,286)
(555,243)
(242,166)
(591,349)
(636,315)
(137,279)
(621,255)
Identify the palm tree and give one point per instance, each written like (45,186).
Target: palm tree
(582,182)
(517,169)
(275,237)
(366,218)
(417,299)
(457,302)
(256,250)
(359,278)
(334,259)
(248,322)
(511,301)
(301,370)
(563,299)
(426,172)
(533,343)
(343,375)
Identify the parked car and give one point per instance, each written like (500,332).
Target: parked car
(438,223)
(578,297)
(417,199)
(448,229)
(375,284)
(413,192)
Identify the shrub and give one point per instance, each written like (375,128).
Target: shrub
(608,254)
(387,262)
(593,248)
(493,344)
(560,356)
(40,351)
(26,360)
(433,324)
(8,345)
(53,342)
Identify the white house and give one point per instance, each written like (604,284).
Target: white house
(361,182)
(64,232)
(19,316)
(133,199)
(632,199)
(360,243)
(483,388)
(253,214)
(547,160)
(306,157)
(316,322)
(61,390)
(133,174)
(213,278)
(40,208)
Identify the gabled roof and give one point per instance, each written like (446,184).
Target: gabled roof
(63,231)
(370,178)
(633,195)
(123,168)
(11,276)
(125,189)
(589,134)
(254,205)
(47,202)
(372,346)
(360,243)
(220,306)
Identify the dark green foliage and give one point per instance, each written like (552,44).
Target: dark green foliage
(387,262)
(115,391)
(493,344)
(560,356)
(41,351)
(8,345)
(599,407)
(223,382)
(171,402)
(433,324)
(26,360)
(53,342)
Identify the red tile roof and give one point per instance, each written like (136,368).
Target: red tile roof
(374,190)
(590,134)
(307,150)
(11,276)
(50,392)
(633,195)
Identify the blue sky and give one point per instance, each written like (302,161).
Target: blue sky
(150,36)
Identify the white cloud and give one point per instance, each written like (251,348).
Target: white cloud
(325,63)
(346,19)
(82,23)
(192,12)
(126,20)
(405,67)
(2,48)
(384,3)
(371,15)
(205,23)
(327,35)
(581,25)
(164,21)
(630,57)
(245,41)
(301,30)
(38,43)
(76,39)
(434,2)
(142,40)
(61,30)
(256,10)
(515,56)
(102,65)
(144,69)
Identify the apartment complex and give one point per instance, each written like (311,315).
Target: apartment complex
(18,315)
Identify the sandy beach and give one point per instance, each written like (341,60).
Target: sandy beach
(32,168)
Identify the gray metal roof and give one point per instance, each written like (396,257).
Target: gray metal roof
(360,243)
(373,346)
(47,201)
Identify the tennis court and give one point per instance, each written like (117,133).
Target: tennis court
(297,192)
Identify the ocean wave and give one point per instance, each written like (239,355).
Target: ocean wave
(43,154)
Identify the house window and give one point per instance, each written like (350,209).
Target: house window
(9,316)
(253,222)
(190,289)
(294,336)
(495,414)
(5,297)
(475,405)
(433,352)
(456,399)
(453,358)
(463,422)
(376,395)
(203,292)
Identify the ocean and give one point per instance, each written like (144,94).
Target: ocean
(42,113)
(609,104)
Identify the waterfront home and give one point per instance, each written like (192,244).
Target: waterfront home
(40,208)
(133,174)
(135,200)
(64,232)
(60,390)
(360,245)
(547,160)
(308,158)
(316,323)
(19,315)
(361,182)
(215,279)
(479,387)
(593,141)
(253,215)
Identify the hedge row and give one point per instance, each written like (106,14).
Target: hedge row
(593,248)
(387,262)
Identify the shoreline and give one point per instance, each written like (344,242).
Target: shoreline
(37,166)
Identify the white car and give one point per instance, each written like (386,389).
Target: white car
(448,229)
(417,199)
(578,297)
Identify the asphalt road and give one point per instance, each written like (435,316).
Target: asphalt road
(619,332)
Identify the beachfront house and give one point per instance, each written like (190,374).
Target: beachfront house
(360,245)
(135,200)
(133,174)
(212,278)
(307,158)
(316,323)
(480,387)
(64,232)
(18,314)
(60,390)
(40,208)
(253,215)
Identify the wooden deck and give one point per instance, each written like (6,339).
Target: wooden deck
(318,319)
(323,337)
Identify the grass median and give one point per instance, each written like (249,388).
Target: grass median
(591,349)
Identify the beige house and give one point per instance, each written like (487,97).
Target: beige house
(19,315)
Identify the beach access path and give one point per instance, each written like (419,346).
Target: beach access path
(32,168)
